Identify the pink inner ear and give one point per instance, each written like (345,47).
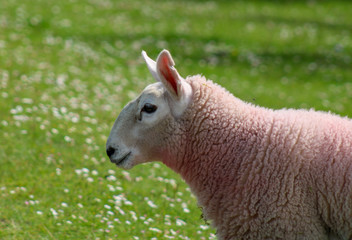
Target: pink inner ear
(168,74)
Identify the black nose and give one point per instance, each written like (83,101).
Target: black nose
(110,151)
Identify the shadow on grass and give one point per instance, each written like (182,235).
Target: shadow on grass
(298,22)
(228,55)
(228,52)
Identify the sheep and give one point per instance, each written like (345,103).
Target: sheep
(257,173)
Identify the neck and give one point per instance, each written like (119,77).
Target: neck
(215,148)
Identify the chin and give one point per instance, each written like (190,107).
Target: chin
(126,165)
(131,161)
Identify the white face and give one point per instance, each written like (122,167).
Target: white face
(142,126)
(131,139)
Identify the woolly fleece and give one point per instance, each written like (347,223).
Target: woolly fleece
(260,173)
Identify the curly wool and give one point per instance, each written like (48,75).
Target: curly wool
(264,174)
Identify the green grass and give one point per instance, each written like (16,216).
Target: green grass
(68,67)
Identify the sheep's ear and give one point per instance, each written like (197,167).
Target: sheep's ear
(168,75)
(151,64)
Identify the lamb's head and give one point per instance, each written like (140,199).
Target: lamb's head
(139,131)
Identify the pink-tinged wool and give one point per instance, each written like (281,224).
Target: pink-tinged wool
(261,173)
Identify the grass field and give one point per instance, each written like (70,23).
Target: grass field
(68,67)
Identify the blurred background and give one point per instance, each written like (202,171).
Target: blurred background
(68,67)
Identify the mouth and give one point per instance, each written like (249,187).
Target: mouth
(123,159)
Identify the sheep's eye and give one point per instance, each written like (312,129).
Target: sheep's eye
(149,108)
